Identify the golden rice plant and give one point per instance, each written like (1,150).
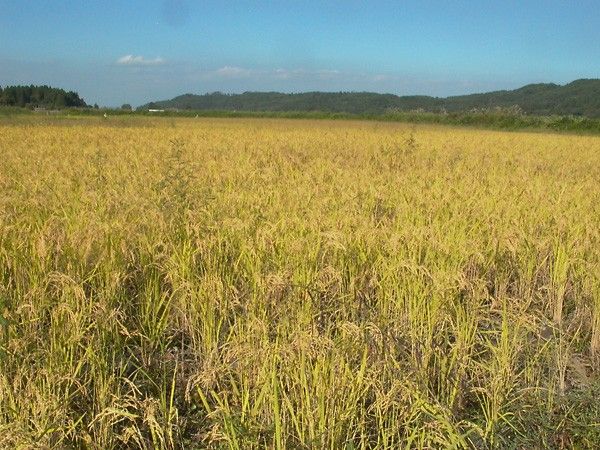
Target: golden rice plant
(292,284)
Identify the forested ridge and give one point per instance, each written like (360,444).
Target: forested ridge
(578,98)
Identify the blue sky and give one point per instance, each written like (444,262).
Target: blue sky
(135,51)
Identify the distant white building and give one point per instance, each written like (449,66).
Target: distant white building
(156,110)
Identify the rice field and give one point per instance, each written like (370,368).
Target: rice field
(294,284)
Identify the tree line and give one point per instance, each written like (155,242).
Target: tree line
(39,96)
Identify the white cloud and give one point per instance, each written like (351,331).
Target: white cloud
(327,74)
(286,74)
(381,77)
(131,60)
(279,73)
(233,72)
(283,74)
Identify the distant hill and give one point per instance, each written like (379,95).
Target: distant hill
(580,98)
(39,96)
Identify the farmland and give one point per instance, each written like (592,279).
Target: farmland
(263,283)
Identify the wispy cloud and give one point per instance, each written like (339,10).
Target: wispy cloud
(328,72)
(141,84)
(278,74)
(234,72)
(131,60)
(381,77)
(234,78)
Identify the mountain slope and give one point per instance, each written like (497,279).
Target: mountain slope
(581,97)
